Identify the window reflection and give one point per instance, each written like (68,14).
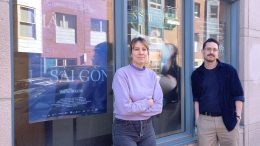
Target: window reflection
(27,22)
(65,28)
(62,69)
(212,23)
(197,10)
(159,21)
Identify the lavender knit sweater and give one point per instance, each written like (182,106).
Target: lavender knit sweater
(132,88)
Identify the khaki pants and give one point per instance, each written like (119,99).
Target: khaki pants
(212,132)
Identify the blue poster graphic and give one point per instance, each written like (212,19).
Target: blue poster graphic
(57,92)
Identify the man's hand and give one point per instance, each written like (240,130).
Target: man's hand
(238,115)
(239,106)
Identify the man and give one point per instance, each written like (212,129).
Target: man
(218,99)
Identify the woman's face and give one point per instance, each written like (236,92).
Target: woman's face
(139,54)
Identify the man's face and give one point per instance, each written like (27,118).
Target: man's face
(210,52)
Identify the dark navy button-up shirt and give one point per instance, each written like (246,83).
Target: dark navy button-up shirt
(229,90)
(210,101)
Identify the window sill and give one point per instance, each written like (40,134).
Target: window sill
(177,139)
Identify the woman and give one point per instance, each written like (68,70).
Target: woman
(138,96)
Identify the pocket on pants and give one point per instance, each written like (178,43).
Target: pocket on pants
(122,128)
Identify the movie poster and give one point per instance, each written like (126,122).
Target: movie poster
(67,76)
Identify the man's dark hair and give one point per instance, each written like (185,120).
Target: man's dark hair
(210,40)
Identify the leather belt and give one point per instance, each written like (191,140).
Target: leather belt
(211,114)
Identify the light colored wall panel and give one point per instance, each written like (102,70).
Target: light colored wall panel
(253,102)
(254,134)
(5,76)
(251,59)
(243,43)
(254,21)
(244,14)
(254,33)
(5,71)
(5,122)
(246,107)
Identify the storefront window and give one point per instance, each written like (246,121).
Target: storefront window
(160,22)
(63,69)
(213,23)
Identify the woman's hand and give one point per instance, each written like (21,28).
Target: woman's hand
(150,102)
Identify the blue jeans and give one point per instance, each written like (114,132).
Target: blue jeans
(133,133)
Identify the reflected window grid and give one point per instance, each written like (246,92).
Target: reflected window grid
(27,22)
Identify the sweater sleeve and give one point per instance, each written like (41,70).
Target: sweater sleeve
(122,101)
(158,100)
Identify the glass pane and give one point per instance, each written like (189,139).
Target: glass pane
(66,28)
(95,25)
(214,11)
(197,10)
(162,27)
(27,15)
(60,62)
(71,62)
(98,25)
(66,21)
(212,23)
(49,62)
(62,91)
(27,30)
